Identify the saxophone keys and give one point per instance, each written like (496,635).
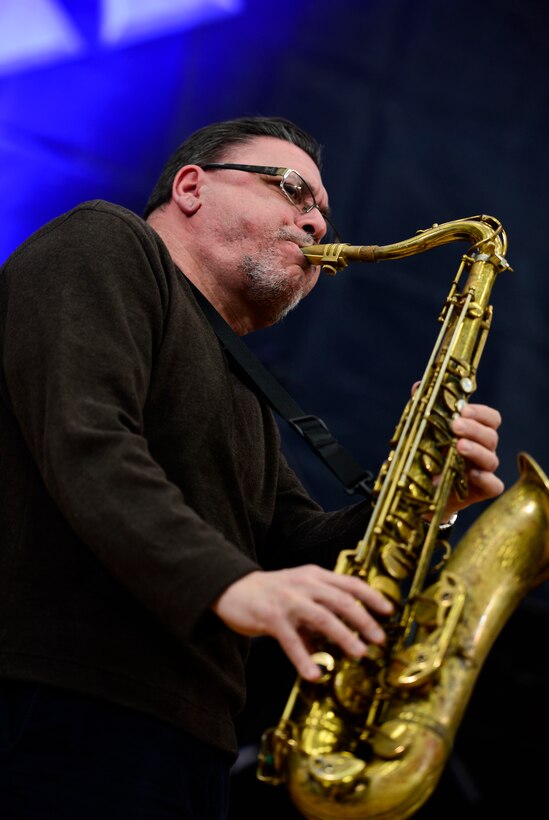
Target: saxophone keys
(388,587)
(414,666)
(397,561)
(426,612)
(391,740)
(339,773)
(354,686)
(275,747)
(326,663)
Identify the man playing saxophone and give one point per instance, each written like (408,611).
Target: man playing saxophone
(150,524)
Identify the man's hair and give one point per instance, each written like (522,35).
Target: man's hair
(210,143)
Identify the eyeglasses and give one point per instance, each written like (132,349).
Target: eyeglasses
(292,185)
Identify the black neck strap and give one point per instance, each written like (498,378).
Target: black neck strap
(353,477)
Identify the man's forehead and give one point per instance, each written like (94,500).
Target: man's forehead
(273,151)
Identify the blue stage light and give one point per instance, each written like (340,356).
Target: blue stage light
(88,88)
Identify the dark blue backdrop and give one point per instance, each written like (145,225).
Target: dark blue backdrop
(428,112)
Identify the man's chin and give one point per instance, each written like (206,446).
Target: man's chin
(277,306)
(304,273)
(276,290)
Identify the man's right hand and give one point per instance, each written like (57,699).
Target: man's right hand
(292,605)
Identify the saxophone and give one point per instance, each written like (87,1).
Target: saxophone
(371,737)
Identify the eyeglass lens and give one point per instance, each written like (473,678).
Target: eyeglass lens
(300,195)
(297,191)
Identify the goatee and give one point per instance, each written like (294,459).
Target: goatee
(269,285)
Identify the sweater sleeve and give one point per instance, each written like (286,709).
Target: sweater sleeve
(302,532)
(84,319)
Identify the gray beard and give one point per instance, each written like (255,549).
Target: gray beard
(268,286)
(269,289)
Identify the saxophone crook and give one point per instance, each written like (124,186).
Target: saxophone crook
(480,229)
(369,740)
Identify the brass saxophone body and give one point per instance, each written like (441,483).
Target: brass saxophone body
(371,738)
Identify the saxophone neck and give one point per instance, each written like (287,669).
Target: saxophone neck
(485,233)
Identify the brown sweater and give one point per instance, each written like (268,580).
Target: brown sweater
(139,478)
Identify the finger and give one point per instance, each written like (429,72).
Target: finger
(298,653)
(363,592)
(351,599)
(487,483)
(347,597)
(352,612)
(480,457)
(475,431)
(488,416)
(320,621)
(323,623)
(313,580)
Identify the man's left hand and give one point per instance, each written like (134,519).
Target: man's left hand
(477,442)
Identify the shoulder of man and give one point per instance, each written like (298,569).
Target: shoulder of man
(109,218)
(110,214)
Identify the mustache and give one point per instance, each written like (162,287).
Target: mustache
(301,238)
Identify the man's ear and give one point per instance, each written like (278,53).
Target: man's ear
(186,188)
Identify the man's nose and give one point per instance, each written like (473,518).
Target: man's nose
(313,223)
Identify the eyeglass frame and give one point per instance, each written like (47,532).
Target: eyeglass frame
(274,171)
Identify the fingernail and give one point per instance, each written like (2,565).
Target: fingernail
(360,649)
(313,673)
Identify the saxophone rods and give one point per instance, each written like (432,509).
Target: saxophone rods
(371,738)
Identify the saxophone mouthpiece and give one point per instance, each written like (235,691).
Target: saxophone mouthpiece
(333,258)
